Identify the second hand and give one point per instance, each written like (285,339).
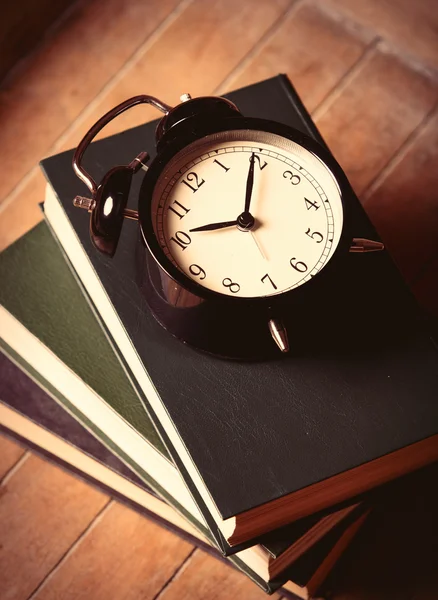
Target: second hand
(258,245)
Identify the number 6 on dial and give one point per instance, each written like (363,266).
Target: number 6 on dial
(298,266)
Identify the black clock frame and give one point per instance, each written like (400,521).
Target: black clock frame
(194,129)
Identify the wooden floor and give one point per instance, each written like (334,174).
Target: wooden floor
(368,71)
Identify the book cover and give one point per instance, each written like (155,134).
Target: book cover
(99,392)
(267,443)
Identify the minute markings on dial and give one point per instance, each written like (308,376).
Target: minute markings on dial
(310,204)
(195,181)
(294,179)
(261,164)
(231,285)
(299,265)
(224,167)
(319,237)
(182,239)
(197,271)
(266,277)
(182,207)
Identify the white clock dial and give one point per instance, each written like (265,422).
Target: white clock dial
(295,204)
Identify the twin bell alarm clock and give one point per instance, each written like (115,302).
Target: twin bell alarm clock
(244,227)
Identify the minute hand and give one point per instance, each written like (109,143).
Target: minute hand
(213,226)
(249,183)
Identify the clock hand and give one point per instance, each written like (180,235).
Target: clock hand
(245,221)
(258,245)
(249,184)
(214,226)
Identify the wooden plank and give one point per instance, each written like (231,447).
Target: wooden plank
(123,556)
(65,75)
(404,204)
(193,55)
(289,51)
(42,512)
(412,26)
(205,577)
(20,215)
(10,454)
(368,119)
(202,62)
(23,25)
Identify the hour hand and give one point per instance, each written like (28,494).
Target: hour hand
(213,226)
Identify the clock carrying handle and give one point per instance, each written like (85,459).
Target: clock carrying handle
(100,124)
(109,199)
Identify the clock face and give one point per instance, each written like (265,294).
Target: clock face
(247,213)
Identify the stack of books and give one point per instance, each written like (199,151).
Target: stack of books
(274,465)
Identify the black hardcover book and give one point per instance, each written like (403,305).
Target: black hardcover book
(264,444)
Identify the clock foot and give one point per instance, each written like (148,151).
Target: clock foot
(364,245)
(279,334)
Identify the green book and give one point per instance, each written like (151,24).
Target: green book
(50,331)
(42,294)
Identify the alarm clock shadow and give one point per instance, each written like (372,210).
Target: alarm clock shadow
(349,318)
(369,312)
